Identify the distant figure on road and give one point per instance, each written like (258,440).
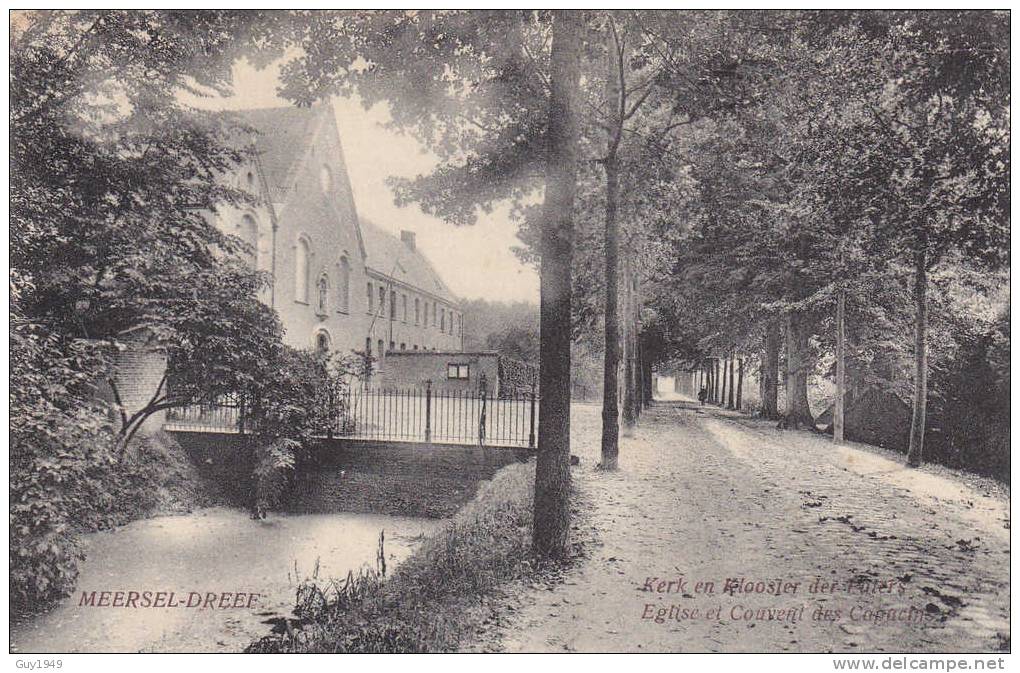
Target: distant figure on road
(702,394)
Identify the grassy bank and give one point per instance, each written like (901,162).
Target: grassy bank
(434,600)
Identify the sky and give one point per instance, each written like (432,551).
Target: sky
(475,261)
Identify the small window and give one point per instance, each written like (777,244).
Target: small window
(301,271)
(322,288)
(344,289)
(250,181)
(368,346)
(322,342)
(393,305)
(393,346)
(455,371)
(403,347)
(405,307)
(326,179)
(371,299)
(382,351)
(416,347)
(417,311)
(442,320)
(382,300)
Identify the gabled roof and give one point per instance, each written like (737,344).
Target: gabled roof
(282,137)
(391,257)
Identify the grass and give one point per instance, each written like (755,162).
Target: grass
(433,602)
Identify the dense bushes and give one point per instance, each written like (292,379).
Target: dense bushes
(968,425)
(60,455)
(293,400)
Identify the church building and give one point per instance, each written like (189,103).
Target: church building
(339,282)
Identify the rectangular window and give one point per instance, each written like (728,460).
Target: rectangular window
(371,299)
(382,300)
(457,371)
(393,305)
(417,311)
(433,314)
(368,346)
(442,320)
(405,307)
(393,346)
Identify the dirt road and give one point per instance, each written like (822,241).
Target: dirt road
(723,534)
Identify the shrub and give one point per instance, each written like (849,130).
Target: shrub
(293,401)
(60,454)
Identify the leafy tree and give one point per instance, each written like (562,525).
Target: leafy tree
(933,172)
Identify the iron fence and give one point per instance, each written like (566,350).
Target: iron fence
(417,414)
(425,414)
(223,415)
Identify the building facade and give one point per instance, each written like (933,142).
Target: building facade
(339,282)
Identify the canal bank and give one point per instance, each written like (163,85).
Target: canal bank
(217,550)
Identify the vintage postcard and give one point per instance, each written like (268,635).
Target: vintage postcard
(510,331)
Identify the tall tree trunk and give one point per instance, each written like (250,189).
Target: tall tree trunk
(770,372)
(611,369)
(729,401)
(552,471)
(716,396)
(837,414)
(629,396)
(740,383)
(722,385)
(915,454)
(798,412)
(647,376)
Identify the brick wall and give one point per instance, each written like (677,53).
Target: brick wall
(432,480)
(408,370)
(137,373)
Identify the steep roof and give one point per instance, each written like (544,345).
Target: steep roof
(390,256)
(281,140)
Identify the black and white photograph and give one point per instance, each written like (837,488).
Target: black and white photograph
(497,331)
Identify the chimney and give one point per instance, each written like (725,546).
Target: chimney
(408,238)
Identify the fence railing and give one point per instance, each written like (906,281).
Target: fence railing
(426,414)
(223,415)
(416,414)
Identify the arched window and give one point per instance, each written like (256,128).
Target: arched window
(322,294)
(301,253)
(322,341)
(326,179)
(248,231)
(344,287)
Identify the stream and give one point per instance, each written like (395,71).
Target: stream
(212,560)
